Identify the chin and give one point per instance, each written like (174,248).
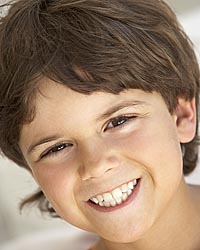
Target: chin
(127,233)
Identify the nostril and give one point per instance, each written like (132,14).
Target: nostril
(96,168)
(94,173)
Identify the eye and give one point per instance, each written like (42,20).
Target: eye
(119,121)
(56,149)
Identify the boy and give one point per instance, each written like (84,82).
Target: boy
(99,101)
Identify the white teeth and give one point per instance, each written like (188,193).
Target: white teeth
(106,204)
(135,182)
(129,192)
(130,185)
(101,204)
(124,196)
(117,193)
(95,200)
(116,197)
(113,203)
(124,188)
(107,197)
(119,201)
(99,198)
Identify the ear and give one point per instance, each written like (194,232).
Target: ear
(185,114)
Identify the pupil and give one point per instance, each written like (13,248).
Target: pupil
(60,147)
(118,122)
(57,148)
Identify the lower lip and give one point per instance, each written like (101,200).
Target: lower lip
(123,204)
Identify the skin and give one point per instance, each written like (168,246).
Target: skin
(97,154)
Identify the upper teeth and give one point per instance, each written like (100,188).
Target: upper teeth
(115,197)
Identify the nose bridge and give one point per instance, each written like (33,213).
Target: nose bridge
(97,158)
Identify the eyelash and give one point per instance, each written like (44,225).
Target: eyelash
(56,149)
(121,120)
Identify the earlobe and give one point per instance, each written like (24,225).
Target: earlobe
(185,113)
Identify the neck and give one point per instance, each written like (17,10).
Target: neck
(177,228)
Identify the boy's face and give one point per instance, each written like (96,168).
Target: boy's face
(92,144)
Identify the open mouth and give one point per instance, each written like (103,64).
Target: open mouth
(117,197)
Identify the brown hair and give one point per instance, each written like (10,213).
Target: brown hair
(116,44)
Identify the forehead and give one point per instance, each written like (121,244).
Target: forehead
(58,108)
(55,98)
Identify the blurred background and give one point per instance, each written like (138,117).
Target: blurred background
(16,183)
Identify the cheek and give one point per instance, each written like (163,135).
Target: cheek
(156,149)
(60,185)
(155,153)
(55,180)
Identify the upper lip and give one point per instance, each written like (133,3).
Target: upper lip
(111,189)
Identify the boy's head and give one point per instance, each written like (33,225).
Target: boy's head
(91,46)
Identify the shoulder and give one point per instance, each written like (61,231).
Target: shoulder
(59,239)
(195,194)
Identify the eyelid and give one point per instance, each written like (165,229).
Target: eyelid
(128,116)
(47,153)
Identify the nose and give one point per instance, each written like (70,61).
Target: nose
(97,159)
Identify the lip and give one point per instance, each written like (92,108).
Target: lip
(125,203)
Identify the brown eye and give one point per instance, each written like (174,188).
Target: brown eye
(118,121)
(56,149)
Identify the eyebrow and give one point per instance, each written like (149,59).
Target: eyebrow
(103,116)
(118,107)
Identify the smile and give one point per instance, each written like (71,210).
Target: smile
(116,197)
